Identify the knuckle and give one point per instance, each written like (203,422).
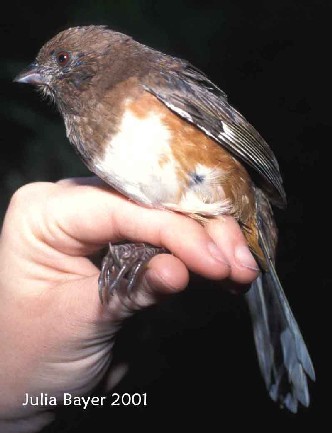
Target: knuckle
(26,198)
(23,195)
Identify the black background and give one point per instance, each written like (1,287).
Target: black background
(194,355)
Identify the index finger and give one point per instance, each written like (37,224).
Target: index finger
(82,215)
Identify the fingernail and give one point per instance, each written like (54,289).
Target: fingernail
(245,258)
(155,280)
(216,253)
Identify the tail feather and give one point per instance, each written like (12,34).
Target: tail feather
(282,353)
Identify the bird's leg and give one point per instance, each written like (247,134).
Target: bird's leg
(124,264)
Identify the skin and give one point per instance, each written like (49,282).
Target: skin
(52,323)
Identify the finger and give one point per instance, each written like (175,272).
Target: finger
(165,275)
(81,216)
(227,234)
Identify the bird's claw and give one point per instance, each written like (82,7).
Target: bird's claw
(123,265)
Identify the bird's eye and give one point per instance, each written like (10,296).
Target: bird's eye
(62,58)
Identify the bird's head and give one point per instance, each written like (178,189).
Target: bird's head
(71,62)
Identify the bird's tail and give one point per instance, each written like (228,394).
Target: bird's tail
(282,354)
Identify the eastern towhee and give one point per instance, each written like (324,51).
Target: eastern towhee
(160,132)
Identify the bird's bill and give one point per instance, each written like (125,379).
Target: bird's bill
(30,75)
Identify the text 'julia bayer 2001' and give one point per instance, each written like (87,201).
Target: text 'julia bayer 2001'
(67,399)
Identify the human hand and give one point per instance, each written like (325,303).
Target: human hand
(55,336)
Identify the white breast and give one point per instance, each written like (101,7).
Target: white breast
(131,161)
(138,161)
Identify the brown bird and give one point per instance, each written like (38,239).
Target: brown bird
(160,132)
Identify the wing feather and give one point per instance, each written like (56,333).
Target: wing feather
(191,95)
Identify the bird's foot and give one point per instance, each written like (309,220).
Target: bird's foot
(122,267)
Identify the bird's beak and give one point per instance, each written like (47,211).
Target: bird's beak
(31,75)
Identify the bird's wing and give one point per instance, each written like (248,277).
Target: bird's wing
(190,94)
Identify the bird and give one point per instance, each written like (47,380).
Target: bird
(159,131)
